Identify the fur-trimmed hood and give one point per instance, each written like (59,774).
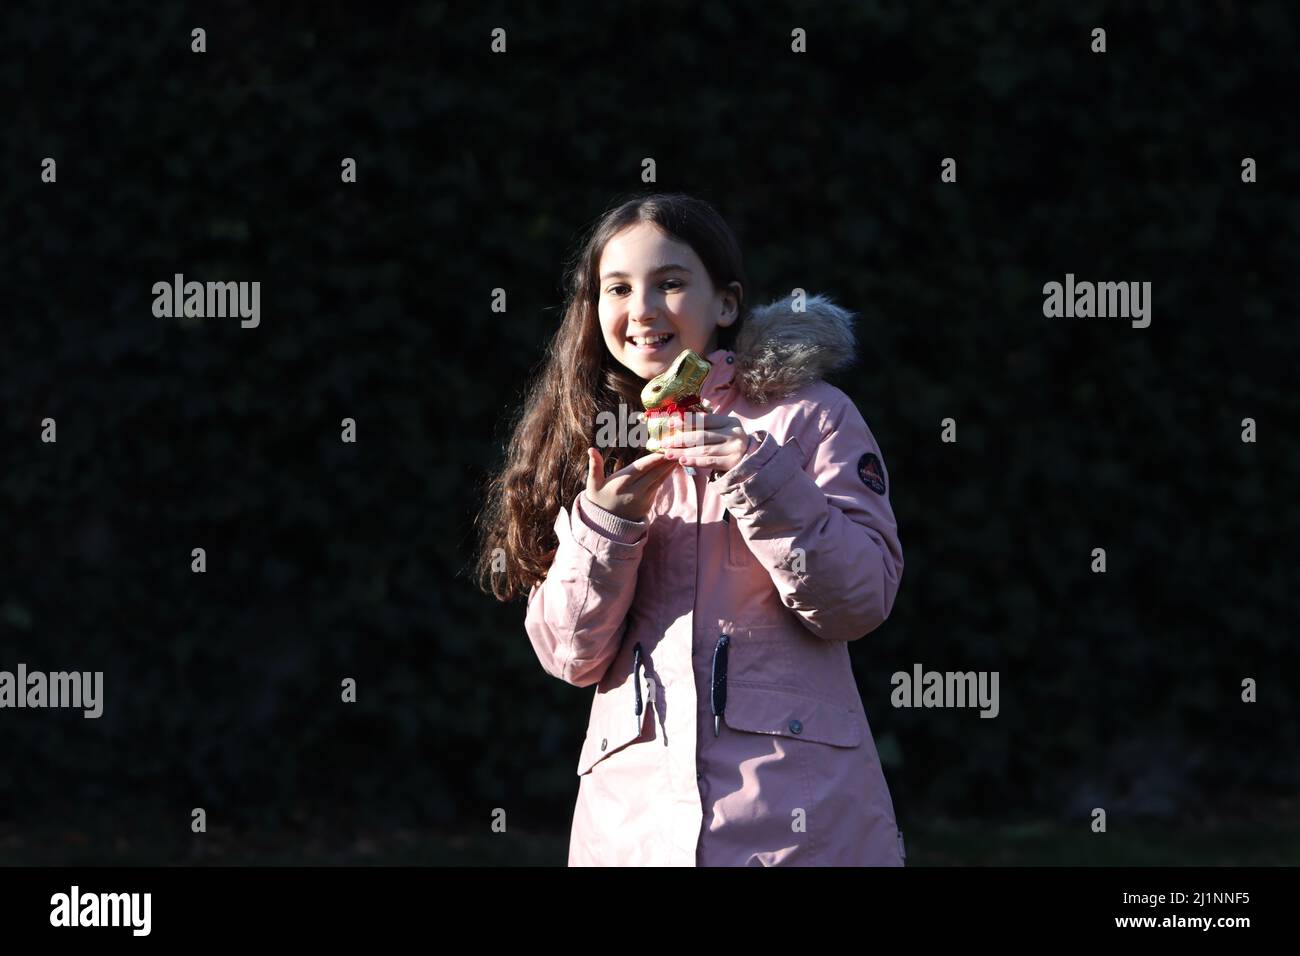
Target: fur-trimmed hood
(779,349)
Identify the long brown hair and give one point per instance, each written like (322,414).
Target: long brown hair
(546,458)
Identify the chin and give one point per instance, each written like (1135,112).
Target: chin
(647,368)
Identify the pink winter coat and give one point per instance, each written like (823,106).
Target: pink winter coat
(791,554)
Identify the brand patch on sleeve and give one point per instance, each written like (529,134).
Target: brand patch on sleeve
(871,473)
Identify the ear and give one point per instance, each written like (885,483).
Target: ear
(731,306)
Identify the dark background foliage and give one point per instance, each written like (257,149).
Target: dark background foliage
(477,171)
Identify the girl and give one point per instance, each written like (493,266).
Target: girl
(708,592)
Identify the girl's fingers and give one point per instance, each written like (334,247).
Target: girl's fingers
(641,470)
(650,476)
(638,467)
(706,456)
(644,463)
(695,438)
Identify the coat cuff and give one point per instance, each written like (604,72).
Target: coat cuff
(759,475)
(622,530)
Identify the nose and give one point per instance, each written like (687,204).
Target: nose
(640,309)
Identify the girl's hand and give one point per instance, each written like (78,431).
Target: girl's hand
(718,442)
(628,492)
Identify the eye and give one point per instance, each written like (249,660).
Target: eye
(672,283)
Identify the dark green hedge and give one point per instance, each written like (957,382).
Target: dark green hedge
(328,560)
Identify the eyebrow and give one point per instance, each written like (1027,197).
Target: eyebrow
(671,267)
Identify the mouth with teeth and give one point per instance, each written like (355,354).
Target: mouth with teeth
(649,343)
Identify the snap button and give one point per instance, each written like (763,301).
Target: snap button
(604,742)
(796,727)
(698,775)
(730,359)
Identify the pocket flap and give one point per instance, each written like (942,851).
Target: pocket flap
(764,710)
(616,727)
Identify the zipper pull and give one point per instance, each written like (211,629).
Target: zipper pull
(718,684)
(636,680)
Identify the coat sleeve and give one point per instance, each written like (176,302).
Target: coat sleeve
(577,615)
(843,582)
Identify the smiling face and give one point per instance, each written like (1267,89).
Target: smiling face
(656,298)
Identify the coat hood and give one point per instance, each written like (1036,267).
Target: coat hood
(779,350)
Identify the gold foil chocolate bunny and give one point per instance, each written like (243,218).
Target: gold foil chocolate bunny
(671,393)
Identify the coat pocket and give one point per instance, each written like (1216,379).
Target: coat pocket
(614,723)
(758,709)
